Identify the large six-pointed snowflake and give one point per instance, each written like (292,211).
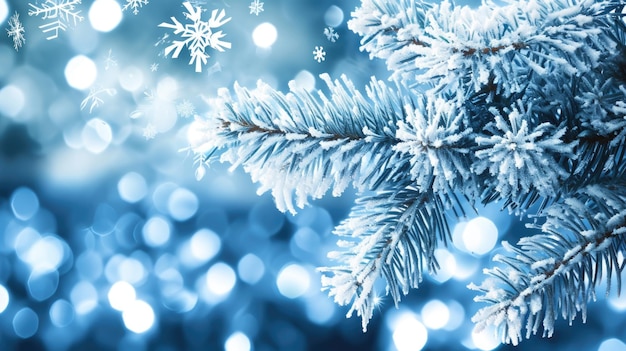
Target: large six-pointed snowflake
(256,7)
(58,14)
(16,31)
(135,5)
(198,35)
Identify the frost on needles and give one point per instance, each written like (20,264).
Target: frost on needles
(522,102)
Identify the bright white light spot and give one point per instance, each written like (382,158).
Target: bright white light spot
(617,303)
(480,235)
(138,317)
(121,295)
(250,268)
(237,341)
(4,298)
(131,270)
(80,72)
(25,323)
(204,245)
(105,15)
(4,10)
(12,101)
(46,254)
(220,279)
(96,135)
(447,265)
(293,281)
(612,344)
(132,187)
(485,340)
(24,203)
(305,80)
(84,297)
(131,79)
(264,35)
(156,231)
(182,204)
(435,314)
(333,16)
(409,334)
(61,313)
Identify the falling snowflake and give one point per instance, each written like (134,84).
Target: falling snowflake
(318,54)
(150,131)
(185,109)
(95,99)
(109,61)
(154,67)
(16,31)
(58,14)
(198,35)
(135,5)
(330,34)
(256,7)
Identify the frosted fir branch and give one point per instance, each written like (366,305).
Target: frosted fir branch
(298,145)
(449,47)
(522,155)
(556,272)
(392,234)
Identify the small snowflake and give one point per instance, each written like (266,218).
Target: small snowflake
(185,109)
(16,31)
(58,14)
(318,54)
(135,5)
(109,61)
(256,7)
(197,36)
(150,131)
(330,34)
(154,67)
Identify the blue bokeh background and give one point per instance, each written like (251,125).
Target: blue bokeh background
(88,201)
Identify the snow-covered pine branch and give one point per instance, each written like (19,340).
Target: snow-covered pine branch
(556,272)
(461,50)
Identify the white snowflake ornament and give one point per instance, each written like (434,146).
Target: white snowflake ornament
(58,14)
(16,31)
(198,35)
(135,5)
(256,7)
(319,54)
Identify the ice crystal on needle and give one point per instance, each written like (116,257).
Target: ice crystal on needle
(198,35)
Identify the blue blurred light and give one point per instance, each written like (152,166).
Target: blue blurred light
(138,317)
(24,203)
(435,314)
(84,297)
(104,220)
(203,245)
(132,270)
(220,280)
(457,315)
(407,332)
(96,135)
(89,265)
(42,285)
(182,204)
(333,16)
(12,101)
(25,323)
(237,341)
(61,313)
(265,219)
(132,187)
(156,231)
(320,309)
(161,195)
(293,281)
(612,344)
(121,295)
(250,268)
(181,301)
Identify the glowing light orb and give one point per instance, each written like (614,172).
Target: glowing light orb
(237,341)
(409,334)
(105,15)
(132,187)
(612,344)
(121,295)
(61,313)
(251,268)
(293,281)
(80,72)
(4,298)
(156,231)
(305,80)
(24,203)
(333,16)
(485,340)
(264,35)
(220,279)
(182,204)
(138,317)
(435,314)
(4,10)
(25,323)
(96,135)
(204,245)
(12,100)
(84,297)
(480,235)
(447,266)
